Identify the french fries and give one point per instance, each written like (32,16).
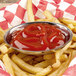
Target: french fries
(21,55)
(38,59)
(57,57)
(48,56)
(70,26)
(1,36)
(8,65)
(10,50)
(73,45)
(28,58)
(48,15)
(30,11)
(74,30)
(17,70)
(65,48)
(64,57)
(50,20)
(74,37)
(63,67)
(3,49)
(44,71)
(60,70)
(1,56)
(53,64)
(45,63)
(25,66)
(31,75)
(68,21)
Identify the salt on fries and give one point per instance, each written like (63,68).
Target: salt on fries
(53,64)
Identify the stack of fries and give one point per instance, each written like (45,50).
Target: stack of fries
(53,64)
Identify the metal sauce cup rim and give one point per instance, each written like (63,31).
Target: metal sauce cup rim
(42,51)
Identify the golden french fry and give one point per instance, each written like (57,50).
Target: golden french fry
(42,64)
(50,20)
(10,50)
(45,71)
(38,59)
(3,49)
(1,56)
(57,64)
(74,37)
(73,45)
(30,11)
(74,30)
(64,57)
(58,54)
(62,68)
(65,64)
(56,20)
(5,45)
(28,58)
(46,63)
(70,26)
(17,70)
(73,52)
(1,36)
(48,15)
(68,21)
(65,48)
(8,65)
(31,75)
(27,67)
(21,55)
(57,57)
(48,56)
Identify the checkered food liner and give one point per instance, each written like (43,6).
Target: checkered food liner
(16,14)
(3,70)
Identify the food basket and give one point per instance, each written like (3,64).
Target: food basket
(62,11)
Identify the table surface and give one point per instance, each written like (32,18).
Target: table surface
(4,3)
(8,1)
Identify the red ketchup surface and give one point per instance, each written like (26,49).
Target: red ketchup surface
(38,37)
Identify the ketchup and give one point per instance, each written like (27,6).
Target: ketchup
(39,36)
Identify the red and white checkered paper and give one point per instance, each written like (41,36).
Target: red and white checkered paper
(16,14)
(2,70)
